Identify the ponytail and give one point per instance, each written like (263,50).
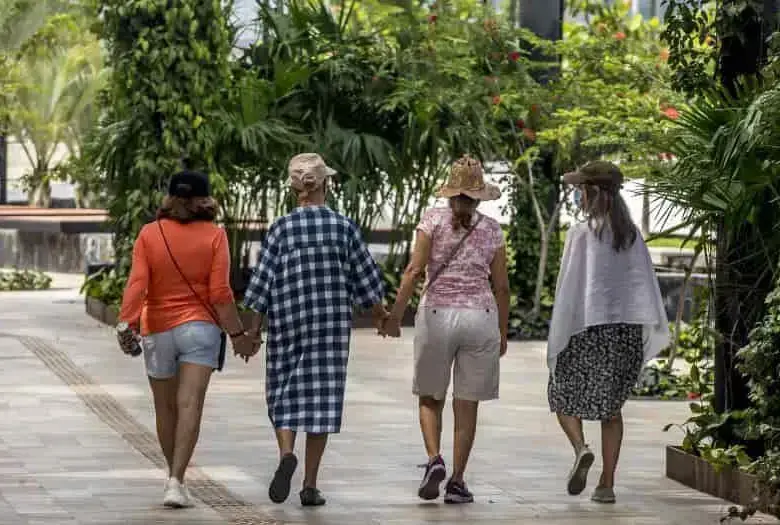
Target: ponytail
(463,210)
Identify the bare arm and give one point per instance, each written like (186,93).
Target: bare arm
(500,280)
(220,293)
(416,268)
(137,285)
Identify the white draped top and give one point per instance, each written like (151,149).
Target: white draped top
(597,285)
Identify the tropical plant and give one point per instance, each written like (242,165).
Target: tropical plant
(611,98)
(53,105)
(170,70)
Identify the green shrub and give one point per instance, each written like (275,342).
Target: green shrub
(16,280)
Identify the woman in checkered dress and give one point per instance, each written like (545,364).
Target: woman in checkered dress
(314,268)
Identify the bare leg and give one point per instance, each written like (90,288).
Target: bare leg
(193,383)
(164,394)
(279,489)
(285,438)
(430,424)
(465,430)
(572,427)
(611,440)
(315,448)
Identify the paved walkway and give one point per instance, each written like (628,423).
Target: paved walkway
(76,441)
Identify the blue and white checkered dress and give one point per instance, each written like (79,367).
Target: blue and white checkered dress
(313,269)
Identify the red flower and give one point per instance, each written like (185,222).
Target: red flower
(520,123)
(671,113)
(432,19)
(529,134)
(693,395)
(664,55)
(620,35)
(514,56)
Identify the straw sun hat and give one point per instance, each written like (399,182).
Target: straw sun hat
(468,178)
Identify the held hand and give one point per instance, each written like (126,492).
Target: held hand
(391,327)
(245,346)
(380,318)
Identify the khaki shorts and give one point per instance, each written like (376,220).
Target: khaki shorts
(468,338)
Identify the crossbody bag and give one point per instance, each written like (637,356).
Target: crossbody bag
(450,257)
(222,334)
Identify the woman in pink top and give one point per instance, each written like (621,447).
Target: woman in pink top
(462,320)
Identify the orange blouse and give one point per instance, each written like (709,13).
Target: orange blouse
(156,295)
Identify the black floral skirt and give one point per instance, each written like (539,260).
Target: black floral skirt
(594,375)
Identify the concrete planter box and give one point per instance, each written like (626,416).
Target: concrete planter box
(728,483)
(108,315)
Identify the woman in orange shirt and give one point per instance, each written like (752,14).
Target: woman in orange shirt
(178,295)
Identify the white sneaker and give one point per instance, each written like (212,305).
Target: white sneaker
(578,477)
(176,495)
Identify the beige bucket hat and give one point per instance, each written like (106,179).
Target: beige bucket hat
(596,173)
(308,171)
(468,178)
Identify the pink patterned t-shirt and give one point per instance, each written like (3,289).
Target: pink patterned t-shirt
(465,283)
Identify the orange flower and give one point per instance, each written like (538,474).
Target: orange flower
(671,113)
(620,35)
(529,134)
(664,55)
(534,108)
(496,100)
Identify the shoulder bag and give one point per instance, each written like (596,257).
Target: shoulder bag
(222,334)
(450,257)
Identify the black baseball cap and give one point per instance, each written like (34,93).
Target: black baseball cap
(189,184)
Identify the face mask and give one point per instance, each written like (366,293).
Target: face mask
(577,196)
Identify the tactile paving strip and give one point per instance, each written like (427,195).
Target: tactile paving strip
(212,493)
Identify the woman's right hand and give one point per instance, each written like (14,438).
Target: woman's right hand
(391,327)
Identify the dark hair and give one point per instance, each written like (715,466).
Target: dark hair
(462,211)
(604,206)
(185,210)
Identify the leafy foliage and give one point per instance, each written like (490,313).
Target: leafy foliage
(18,280)
(169,71)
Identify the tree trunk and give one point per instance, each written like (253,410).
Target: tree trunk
(645,214)
(3,169)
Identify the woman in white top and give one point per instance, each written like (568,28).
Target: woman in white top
(608,320)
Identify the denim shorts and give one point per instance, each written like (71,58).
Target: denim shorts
(196,342)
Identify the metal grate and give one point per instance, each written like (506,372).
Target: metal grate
(212,493)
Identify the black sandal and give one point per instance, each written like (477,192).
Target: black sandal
(280,485)
(311,497)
